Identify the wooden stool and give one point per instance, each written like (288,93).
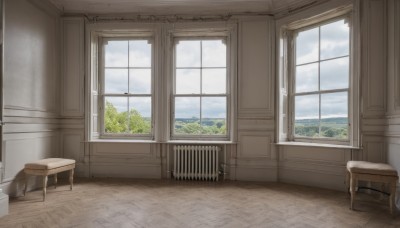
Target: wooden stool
(47,167)
(374,172)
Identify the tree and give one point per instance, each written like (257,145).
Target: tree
(117,122)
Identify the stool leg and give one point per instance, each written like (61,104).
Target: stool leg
(347,181)
(353,183)
(55,180)
(382,190)
(44,187)
(26,184)
(71,178)
(392,196)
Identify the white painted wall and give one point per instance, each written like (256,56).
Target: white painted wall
(44,119)
(31,88)
(254,157)
(392,128)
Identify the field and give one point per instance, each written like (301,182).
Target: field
(336,128)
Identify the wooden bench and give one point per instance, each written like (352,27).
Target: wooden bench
(49,166)
(374,172)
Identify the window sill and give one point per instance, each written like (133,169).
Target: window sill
(317,145)
(120,141)
(153,141)
(199,142)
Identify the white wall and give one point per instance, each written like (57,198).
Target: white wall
(45,119)
(255,157)
(392,130)
(31,84)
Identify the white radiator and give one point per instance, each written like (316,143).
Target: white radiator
(195,162)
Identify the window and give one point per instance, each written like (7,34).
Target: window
(127,87)
(320,85)
(200,91)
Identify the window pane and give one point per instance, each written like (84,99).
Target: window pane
(334,115)
(307,46)
(307,116)
(116,81)
(116,53)
(140,81)
(139,53)
(307,78)
(140,115)
(187,81)
(214,53)
(213,115)
(188,53)
(214,81)
(335,74)
(116,115)
(334,40)
(187,115)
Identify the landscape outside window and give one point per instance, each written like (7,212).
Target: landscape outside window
(127,87)
(321,87)
(200,88)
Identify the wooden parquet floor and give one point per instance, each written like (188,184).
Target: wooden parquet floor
(167,203)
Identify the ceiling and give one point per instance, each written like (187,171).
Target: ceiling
(170,7)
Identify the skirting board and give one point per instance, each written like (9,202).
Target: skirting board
(314,179)
(254,174)
(125,171)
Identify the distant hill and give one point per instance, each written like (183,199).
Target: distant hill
(336,120)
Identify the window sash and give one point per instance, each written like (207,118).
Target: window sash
(102,94)
(319,92)
(201,95)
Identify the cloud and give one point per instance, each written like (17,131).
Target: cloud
(307,46)
(116,53)
(187,107)
(335,74)
(214,107)
(214,53)
(335,40)
(214,81)
(187,81)
(139,53)
(307,78)
(307,107)
(188,53)
(116,81)
(140,81)
(140,104)
(120,103)
(334,105)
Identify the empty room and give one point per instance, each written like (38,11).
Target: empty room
(199,113)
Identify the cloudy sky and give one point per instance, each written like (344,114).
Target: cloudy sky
(200,69)
(322,65)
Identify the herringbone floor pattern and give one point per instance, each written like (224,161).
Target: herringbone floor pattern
(161,203)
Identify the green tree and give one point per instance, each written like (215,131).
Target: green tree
(117,122)
(137,124)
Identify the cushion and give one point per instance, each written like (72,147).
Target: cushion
(49,163)
(371,168)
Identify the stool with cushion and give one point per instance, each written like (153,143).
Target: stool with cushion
(50,166)
(374,172)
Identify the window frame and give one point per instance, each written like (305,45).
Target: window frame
(292,82)
(202,35)
(286,66)
(102,40)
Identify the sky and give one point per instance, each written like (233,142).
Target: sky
(332,72)
(200,69)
